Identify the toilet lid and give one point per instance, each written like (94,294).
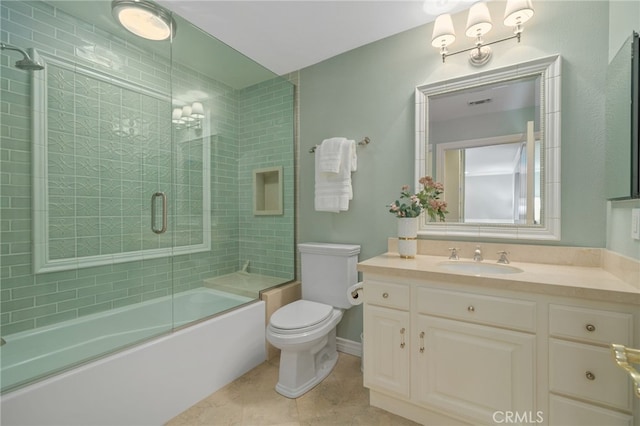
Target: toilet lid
(300,314)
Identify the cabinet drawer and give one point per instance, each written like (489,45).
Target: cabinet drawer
(590,325)
(387,294)
(587,372)
(500,311)
(567,412)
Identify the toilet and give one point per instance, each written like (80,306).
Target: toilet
(305,330)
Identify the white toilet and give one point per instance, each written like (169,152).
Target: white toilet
(305,330)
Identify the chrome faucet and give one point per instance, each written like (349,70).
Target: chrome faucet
(503,257)
(454,254)
(477,255)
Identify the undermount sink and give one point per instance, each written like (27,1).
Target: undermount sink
(478,268)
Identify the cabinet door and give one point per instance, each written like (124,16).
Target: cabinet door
(386,364)
(473,370)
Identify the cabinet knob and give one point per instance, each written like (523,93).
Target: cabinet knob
(385,295)
(402,344)
(590,327)
(590,376)
(470,308)
(422,342)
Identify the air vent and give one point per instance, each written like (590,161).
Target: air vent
(479,102)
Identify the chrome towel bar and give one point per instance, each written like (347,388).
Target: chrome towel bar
(364,142)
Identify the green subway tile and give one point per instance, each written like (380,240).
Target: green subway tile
(155,295)
(96,270)
(75,284)
(56,318)
(94,309)
(116,294)
(126,301)
(98,289)
(16,327)
(76,303)
(17,304)
(32,313)
(55,276)
(111,277)
(127,284)
(16,259)
(56,297)
(33,290)
(17,271)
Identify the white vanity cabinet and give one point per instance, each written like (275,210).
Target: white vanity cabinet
(581,367)
(443,353)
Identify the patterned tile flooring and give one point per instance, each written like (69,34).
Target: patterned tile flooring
(340,399)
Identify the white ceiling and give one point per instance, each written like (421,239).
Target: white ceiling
(288,35)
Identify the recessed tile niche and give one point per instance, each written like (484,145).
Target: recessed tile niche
(267,191)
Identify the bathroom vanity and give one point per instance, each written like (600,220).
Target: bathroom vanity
(526,344)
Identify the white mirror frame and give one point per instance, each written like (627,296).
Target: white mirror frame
(549,229)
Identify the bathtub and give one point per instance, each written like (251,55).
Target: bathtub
(146,384)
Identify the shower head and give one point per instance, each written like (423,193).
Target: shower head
(26,63)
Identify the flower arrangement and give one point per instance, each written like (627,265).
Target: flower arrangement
(427,199)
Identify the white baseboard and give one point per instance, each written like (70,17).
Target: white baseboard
(349,346)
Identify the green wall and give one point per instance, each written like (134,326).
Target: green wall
(369,91)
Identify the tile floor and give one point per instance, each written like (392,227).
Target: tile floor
(340,399)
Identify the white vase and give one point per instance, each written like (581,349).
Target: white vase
(407,237)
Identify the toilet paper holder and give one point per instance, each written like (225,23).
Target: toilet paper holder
(356,293)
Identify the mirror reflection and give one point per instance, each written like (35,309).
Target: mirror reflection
(485,145)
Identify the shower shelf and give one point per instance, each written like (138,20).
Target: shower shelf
(267,191)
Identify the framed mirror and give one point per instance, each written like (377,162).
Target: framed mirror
(622,116)
(493,140)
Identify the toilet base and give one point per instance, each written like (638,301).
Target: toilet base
(301,371)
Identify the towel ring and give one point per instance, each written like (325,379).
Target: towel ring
(364,142)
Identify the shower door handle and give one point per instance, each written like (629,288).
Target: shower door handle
(163,196)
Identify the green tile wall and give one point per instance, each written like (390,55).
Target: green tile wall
(266,140)
(252,128)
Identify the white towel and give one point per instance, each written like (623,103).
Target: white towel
(329,155)
(333,190)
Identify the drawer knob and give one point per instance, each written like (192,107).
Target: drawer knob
(385,295)
(590,376)
(470,308)
(590,327)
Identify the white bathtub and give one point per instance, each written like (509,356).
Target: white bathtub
(146,384)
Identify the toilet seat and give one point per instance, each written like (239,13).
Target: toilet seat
(300,316)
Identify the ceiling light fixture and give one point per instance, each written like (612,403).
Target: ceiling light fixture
(144,19)
(479,23)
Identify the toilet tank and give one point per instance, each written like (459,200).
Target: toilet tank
(327,271)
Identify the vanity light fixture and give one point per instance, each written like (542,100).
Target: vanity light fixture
(144,19)
(516,13)
(191,115)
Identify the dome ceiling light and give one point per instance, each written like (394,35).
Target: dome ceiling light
(144,19)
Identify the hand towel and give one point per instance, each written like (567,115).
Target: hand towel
(333,190)
(329,154)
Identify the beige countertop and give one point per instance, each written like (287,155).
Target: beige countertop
(559,280)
